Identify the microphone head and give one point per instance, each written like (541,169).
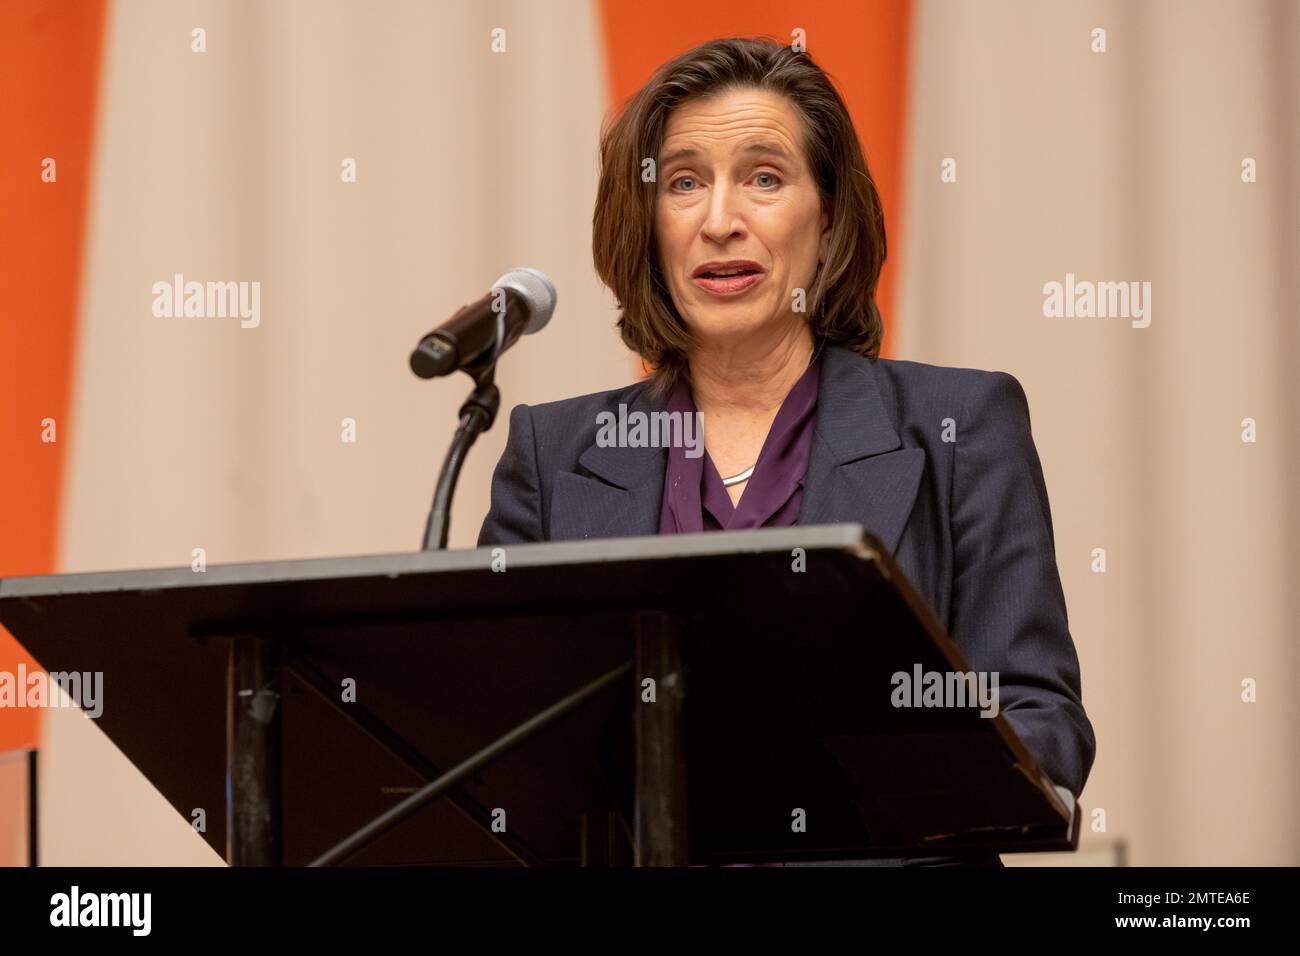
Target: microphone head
(537,290)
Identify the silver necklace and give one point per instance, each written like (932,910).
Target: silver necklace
(737,479)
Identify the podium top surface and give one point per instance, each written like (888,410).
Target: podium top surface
(849,537)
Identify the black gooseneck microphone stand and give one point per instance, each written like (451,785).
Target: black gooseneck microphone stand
(476,416)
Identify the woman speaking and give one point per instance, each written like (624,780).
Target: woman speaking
(741,233)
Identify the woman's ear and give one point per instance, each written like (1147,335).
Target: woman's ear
(824,241)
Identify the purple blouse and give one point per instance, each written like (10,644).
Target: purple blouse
(695,498)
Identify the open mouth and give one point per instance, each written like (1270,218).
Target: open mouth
(727,278)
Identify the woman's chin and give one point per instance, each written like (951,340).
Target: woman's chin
(725,325)
(720,329)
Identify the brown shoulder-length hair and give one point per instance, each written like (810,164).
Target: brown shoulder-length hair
(841,305)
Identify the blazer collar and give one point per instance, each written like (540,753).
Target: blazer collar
(629,468)
(857,471)
(616,492)
(851,417)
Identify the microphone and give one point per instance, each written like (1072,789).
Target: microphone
(521,302)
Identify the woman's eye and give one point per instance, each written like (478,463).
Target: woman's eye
(771,180)
(678,183)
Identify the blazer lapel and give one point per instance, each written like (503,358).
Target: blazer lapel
(618,492)
(858,469)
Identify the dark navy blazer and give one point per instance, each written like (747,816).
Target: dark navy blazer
(967,519)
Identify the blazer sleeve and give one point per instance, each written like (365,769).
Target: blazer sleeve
(1007,603)
(515,514)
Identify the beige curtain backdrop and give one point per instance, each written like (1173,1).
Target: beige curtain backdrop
(1126,166)
(226,165)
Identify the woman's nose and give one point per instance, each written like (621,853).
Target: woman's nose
(723,220)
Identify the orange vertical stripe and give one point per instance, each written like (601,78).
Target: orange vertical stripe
(862,44)
(49,72)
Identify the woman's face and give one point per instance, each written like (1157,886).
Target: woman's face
(735,193)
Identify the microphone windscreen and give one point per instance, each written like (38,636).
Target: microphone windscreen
(536,289)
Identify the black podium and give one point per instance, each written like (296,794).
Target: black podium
(704,699)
